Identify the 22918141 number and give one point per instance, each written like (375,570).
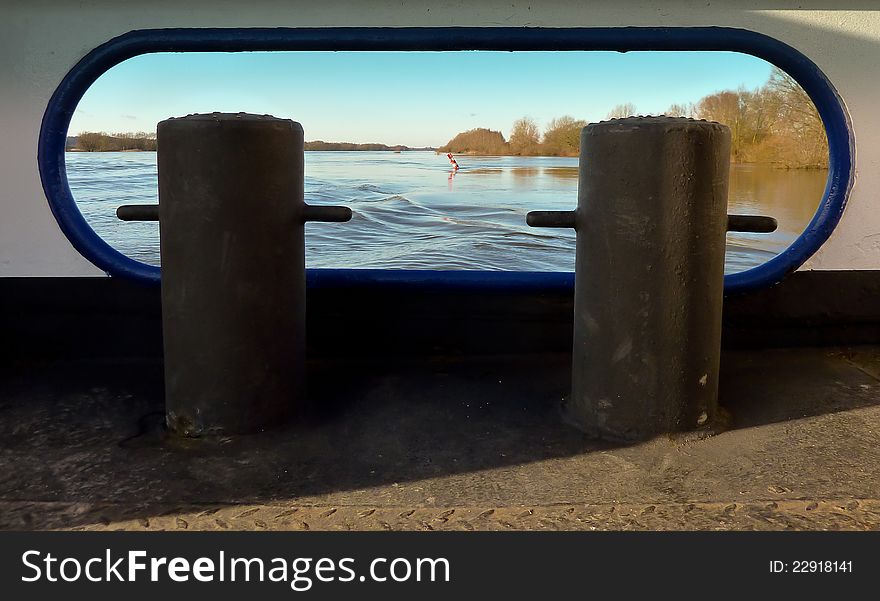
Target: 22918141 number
(811,566)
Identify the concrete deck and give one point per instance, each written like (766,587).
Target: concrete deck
(469,444)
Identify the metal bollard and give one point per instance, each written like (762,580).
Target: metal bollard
(231,215)
(651,222)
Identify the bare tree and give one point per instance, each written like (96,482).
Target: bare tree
(563,136)
(730,108)
(89,141)
(627,109)
(124,141)
(796,121)
(525,137)
(776,123)
(680,110)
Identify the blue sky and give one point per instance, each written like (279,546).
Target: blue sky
(412,98)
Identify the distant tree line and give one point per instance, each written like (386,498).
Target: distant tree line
(477,141)
(90,141)
(322,145)
(104,142)
(776,123)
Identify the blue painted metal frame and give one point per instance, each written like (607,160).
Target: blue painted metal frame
(64,101)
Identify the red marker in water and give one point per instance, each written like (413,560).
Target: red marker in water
(452,160)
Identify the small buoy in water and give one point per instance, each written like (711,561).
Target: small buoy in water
(452,160)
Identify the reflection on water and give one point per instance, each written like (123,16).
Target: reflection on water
(563,172)
(792,197)
(412,212)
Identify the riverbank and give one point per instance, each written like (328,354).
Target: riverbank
(143,141)
(733,161)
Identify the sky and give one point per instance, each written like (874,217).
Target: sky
(410,98)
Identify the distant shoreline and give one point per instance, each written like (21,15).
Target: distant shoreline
(110,150)
(473,154)
(146,142)
(434,150)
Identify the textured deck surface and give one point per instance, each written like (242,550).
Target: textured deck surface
(470,444)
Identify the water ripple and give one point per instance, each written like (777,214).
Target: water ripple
(411,212)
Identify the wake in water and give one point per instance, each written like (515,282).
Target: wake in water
(416,210)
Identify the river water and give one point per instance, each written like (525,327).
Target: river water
(412,212)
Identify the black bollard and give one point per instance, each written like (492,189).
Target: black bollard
(231,217)
(651,222)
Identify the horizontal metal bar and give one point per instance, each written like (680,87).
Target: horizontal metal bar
(560,219)
(138,212)
(757,224)
(327,214)
(151,213)
(551,219)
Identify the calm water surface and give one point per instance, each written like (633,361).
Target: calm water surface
(411,212)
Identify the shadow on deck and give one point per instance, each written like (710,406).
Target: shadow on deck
(428,444)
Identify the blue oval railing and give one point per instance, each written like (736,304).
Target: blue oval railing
(66,97)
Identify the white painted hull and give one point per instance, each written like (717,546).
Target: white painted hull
(43,41)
